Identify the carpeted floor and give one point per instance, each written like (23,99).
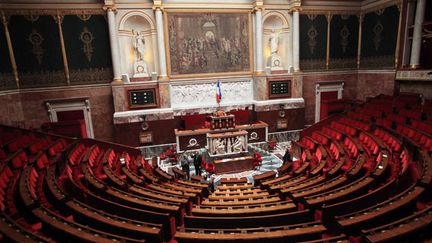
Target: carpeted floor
(271,162)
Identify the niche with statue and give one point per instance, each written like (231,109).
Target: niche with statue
(137,40)
(276,43)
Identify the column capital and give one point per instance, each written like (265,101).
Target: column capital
(361,17)
(258,6)
(58,18)
(295,9)
(399,5)
(110,8)
(256,9)
(329,16)
(4,19)
(158,7)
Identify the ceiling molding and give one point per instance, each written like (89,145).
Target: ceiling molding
(346,6)
(315,6)
(45,8)
(208,6)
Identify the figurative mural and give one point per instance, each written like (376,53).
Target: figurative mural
(208,43)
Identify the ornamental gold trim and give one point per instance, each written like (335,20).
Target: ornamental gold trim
(91,75)
(84,17)
(313,64)
(312,16)
(36,39)
(312,42)
(87,38)
(7,81)
(378,62)
(344,34)
(343,63)
(38,12)
(378,29)
(31,18)
(42,79)
(379,12)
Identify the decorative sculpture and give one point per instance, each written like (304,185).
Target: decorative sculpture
(274,42)
(238,144)
(138,43)
(219,146)
(275,59)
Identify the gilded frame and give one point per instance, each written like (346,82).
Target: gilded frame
(172,75)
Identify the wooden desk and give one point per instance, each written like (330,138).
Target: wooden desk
(233,164)
(196,139)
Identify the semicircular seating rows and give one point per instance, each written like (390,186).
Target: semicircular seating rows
(363,176)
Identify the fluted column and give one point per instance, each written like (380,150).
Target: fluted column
(329,18)
(114,44)
(161,43)
(296,40)
(417,34)
(259,40)
(10,49)
(59,20)
(359,42)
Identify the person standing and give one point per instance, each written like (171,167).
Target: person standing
(185,167)
(197,163)
(287,156)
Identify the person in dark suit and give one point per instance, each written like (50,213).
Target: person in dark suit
(287,156)
(185,167)
(197,163)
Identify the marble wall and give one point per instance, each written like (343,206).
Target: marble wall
(162,132)
(420,87)
(357,85)
(121,99)
(27,108)
(375,83)
(293,117)
(310,80)
(11,112)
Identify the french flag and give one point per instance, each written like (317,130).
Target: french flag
(218,92)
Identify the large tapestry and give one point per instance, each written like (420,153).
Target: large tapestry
(208,43)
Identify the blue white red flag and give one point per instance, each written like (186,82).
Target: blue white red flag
(218,92)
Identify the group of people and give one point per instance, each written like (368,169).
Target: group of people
(194,158)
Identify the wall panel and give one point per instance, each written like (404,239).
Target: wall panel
(88,48)
(313,44)
(343,41)
(379,37)
(36,45)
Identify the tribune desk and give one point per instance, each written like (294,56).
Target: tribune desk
(232,165)
(196,139)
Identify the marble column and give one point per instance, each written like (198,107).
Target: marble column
(417,34)
(161,43)
(296,40)
(259,40)
(114,44)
